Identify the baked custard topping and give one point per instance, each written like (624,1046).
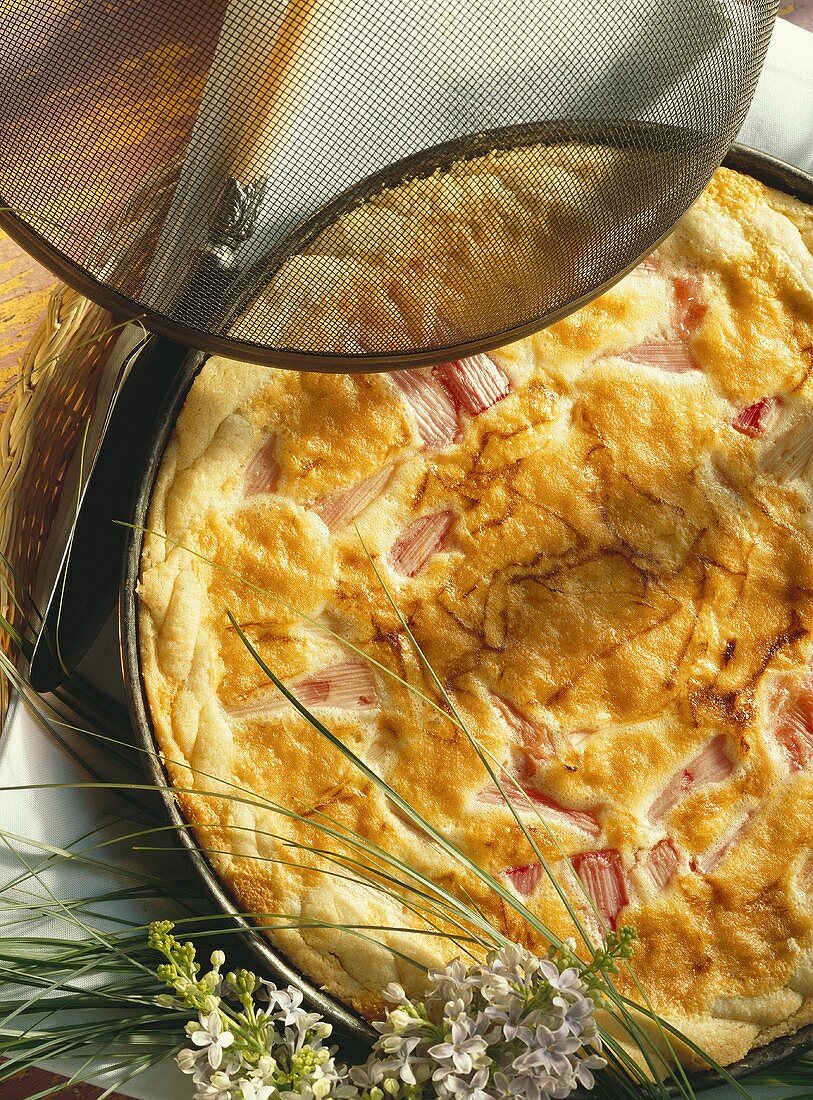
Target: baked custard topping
(602,537)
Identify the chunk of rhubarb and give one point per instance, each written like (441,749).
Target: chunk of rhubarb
(579,738)
(519,797)
(476,383)
(790,454)
(691,307)
(534,742)
(340,509)
(711,765)
(660,863)
(262,473)
(433,409)
(528,799)
(602,875)
(524,879)
(669,355)
(577,819)
(348,685)
(419,541)
(708,862)
(793,728)
(754,419)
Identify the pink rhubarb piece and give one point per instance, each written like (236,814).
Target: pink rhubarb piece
(419,541)
(711,765)
(262,473)
(602,875)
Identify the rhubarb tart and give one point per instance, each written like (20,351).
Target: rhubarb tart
(601,541)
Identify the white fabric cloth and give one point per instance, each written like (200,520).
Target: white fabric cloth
(780,122)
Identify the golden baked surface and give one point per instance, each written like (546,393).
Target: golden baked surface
(601,537)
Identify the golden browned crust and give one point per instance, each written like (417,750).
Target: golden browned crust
(625,568)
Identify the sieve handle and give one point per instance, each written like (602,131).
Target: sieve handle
(276,94)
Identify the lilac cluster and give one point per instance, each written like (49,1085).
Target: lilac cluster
(514,1026)
(249,1040)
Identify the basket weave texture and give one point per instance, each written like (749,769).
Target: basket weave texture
(51,403)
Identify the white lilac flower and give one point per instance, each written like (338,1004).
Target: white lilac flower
(300,1027)
(581,1021)
(473,1088)
(188,1059)
(497,989)
(402,1060)
(368,1076)
(211,1036)
(251,1089)
(284,1005)
(556,1048)
(584,1068)
(463,1051)
(451,983)
(515,963)
(566,982)
(218,1087)
(515,1026)
(400,1021)
(511,1023)
(232,1067)
(396,995)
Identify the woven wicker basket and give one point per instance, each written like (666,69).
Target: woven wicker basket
(54,396)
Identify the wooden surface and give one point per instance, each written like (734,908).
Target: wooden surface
(24,288)
(798,11)
(31,1082)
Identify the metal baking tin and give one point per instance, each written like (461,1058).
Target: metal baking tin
(273,964)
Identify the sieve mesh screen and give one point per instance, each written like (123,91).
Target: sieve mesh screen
(346,184)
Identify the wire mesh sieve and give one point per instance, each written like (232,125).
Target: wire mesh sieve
(356,184)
